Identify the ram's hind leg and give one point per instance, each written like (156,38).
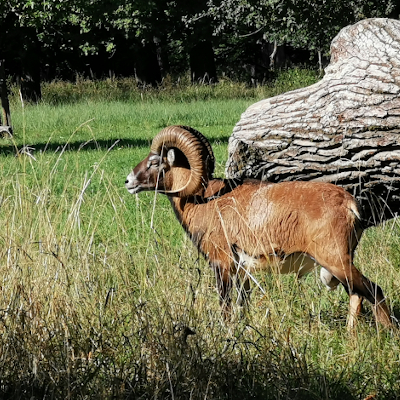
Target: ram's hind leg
(374,294)
(355,308)
(224,287)
(359,287)
(331,282)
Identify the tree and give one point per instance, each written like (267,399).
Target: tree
(308,24)
(28,27)
(5,118)
(60,38)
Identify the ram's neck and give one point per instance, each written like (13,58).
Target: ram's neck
(184,208)
(193,212)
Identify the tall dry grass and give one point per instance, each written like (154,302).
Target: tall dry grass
(98,302)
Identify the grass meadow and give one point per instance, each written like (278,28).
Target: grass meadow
(102,296)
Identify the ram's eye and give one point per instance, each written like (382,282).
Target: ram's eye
(152,162)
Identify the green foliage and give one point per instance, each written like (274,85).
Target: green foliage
(306,24)
(171,90)
(69,30)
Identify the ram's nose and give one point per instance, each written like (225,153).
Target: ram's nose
(130,182)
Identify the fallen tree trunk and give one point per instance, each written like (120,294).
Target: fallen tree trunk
(344,129)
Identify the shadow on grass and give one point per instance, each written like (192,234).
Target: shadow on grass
(90,145)
(153,357)
(203,379)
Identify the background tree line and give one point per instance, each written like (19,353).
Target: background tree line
(242,39)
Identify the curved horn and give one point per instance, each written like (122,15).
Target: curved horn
(197,150)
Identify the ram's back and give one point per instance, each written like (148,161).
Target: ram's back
(261,218)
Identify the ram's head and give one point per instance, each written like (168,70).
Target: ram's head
(180,163)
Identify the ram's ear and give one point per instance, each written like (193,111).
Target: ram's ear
(171,157)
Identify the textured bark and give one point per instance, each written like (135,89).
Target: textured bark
(344,129)
(5,116)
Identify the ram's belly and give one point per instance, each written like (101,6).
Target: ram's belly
(297,263)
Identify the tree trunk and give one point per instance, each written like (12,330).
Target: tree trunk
(5,121)
(344,129)
(29,79)
(161,56)
(202,63)
(147,69)
(273,55)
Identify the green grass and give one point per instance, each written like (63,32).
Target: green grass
(99,287)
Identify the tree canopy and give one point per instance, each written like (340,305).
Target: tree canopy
(50,39)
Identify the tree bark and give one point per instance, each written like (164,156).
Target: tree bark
(344,129)
(273,55)
(5,121)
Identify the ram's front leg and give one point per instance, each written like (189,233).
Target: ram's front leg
(244,290)
(224,287)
